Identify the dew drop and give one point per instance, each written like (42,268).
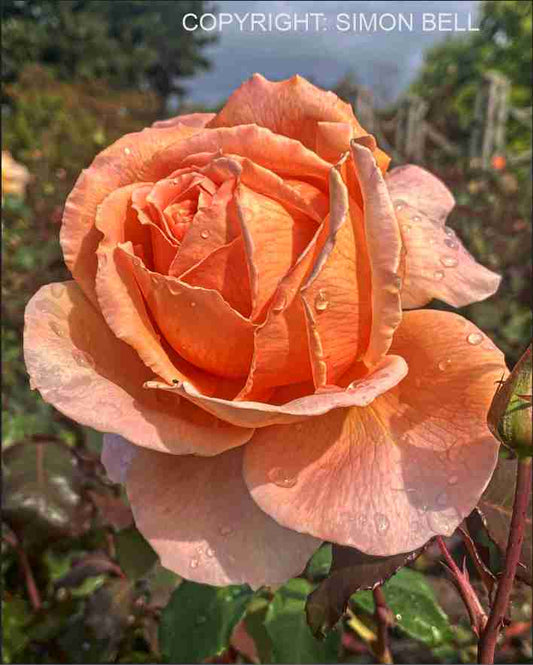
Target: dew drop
(193,563)
(398,617)
(453,480)
(451,243)
(449,261)
(406,227)
(210,552)
(438,275)
(382,522)
(204,234)
(55,328)
(280,478)
(444,365)
(448,231)
(83,359)
(399,205)
(192,303)
(417,218)
(279,303)
(321,301)
(474,338)
(225,530)
(127,151)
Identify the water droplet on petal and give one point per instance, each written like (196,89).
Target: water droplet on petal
(406,227)
(127,151)
(281,478)
(451,243)
(48,307)
(193,563)
(474,338)
(192,303)
(210,552)
(453,480)
(449,261)
(438,275)
(399,205)
(56,328)
(225,530)
(417,218)
(83,359)
(448,231)
(204,234)
(321,301)
(382,522)
(444,364)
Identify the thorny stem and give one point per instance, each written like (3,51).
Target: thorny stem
(489,637)
(489,580)
(384,620)
(478,617)
(31,586)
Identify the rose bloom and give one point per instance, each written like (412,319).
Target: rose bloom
(239,324)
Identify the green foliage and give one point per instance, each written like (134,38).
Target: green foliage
(414,605)
(198,621)
(129,43)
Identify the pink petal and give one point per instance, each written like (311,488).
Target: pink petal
(80,367)
(436,263)
(117,455)
(199,517)
(384,247)
(386,478)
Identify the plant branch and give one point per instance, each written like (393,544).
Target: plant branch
(478,616)
(31,586)
(489,637)
(489,580)
(384,621)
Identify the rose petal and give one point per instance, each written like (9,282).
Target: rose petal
(118,165)
(189,119)
(80,367)
(117,455)
(333,140)
(186,315)
(384,247)
(437,265)
(385,375)
(386,478)
(198,516)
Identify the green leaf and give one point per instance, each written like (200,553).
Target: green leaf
(320,563)
(198,621)
(42,492)
(254,621)
(134,554)
(496,509)
(350,570)
(292,640)
(15,616)
(415,606)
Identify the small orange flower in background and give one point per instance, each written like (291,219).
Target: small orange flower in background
(15,176)
(238,324)
(498,162)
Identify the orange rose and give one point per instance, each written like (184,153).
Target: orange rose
(236,314)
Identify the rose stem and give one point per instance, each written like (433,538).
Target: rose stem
(383,617)
(31,586)
(478,617)
(487,644)
(489,580)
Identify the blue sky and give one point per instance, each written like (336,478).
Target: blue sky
(386,60)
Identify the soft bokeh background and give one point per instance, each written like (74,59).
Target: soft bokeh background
(78,74)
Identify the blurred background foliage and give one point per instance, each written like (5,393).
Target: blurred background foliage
(79,584)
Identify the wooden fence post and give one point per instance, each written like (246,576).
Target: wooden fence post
(490,119)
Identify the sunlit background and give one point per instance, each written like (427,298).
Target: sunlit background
(78,74)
